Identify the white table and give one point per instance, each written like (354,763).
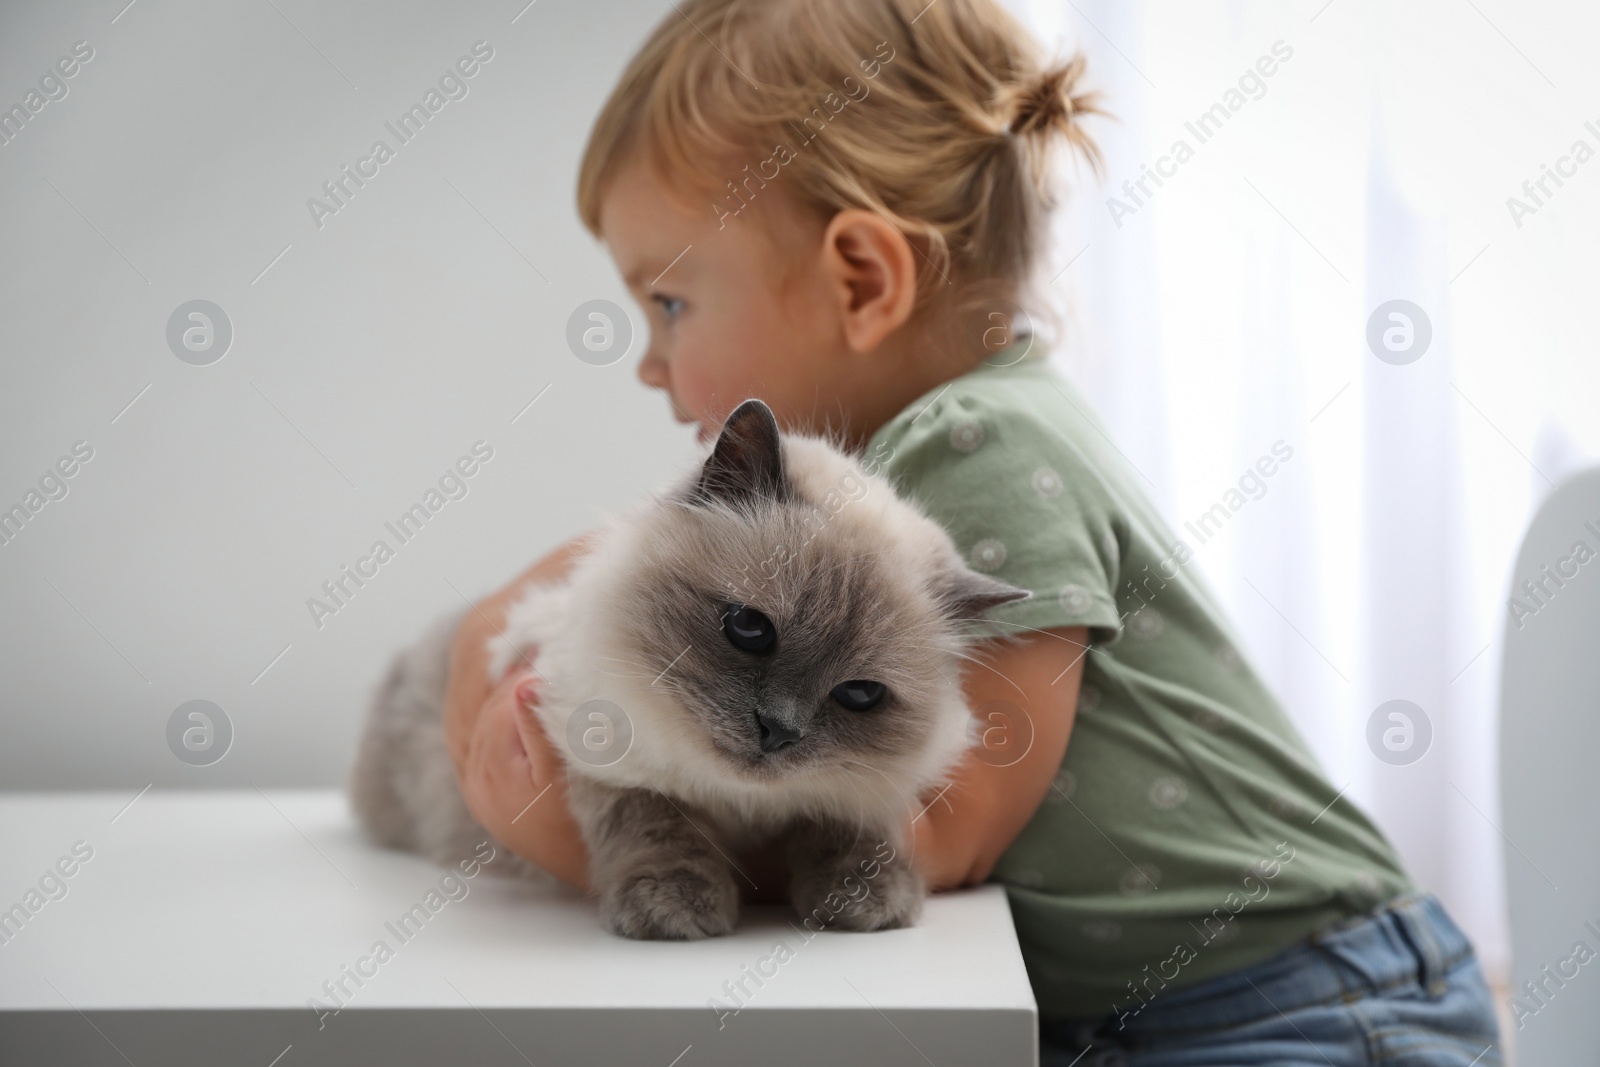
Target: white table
(204,922)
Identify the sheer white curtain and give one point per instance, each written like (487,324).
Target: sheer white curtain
(1336,157)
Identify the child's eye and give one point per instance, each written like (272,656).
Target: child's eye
(671,306)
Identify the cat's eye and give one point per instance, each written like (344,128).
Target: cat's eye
(748,630)
(859,695)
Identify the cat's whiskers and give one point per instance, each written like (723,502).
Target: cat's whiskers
(620,674)
(1083,649)
(625,661)
(658,678)
(973,659)
(879,771)
(868,784)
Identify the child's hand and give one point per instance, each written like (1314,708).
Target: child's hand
(532,743)
(515,784)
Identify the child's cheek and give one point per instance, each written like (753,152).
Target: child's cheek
(689,387)
(708,387)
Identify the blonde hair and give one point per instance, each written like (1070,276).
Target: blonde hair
(940,117)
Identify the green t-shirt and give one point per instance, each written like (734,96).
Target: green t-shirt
(1188,832)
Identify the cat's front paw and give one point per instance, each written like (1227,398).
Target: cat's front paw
(849,901)
(671,904)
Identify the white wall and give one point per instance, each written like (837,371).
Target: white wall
(375,352)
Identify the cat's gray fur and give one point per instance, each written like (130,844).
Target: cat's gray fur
(859,583)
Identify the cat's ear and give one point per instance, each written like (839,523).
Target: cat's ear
(746,464)
(966,594)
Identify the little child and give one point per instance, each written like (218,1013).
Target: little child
(834,205)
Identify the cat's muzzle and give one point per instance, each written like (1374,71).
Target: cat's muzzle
(776,732)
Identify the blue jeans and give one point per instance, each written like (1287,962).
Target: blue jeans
(1399,987)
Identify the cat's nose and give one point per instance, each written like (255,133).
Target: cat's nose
(775,733)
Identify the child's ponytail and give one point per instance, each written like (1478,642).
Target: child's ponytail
(1052,104)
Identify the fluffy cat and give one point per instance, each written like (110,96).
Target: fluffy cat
(769,649)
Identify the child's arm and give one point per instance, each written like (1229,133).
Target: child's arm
(963,832)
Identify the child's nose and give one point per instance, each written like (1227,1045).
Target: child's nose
(653,370)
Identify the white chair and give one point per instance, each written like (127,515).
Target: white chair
(1550,780)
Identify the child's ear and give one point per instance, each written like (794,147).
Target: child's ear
(873,271)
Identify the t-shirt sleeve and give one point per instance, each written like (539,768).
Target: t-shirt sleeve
(1021,503)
